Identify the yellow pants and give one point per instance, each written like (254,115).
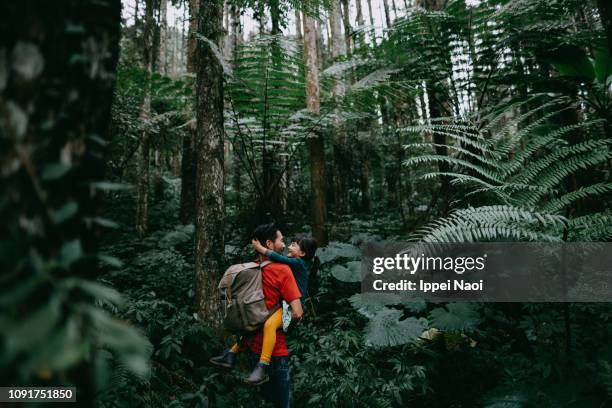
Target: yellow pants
(274,322)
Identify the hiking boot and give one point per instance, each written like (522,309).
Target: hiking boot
(258,376)
(226,360)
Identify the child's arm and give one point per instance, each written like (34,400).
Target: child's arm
(282,259)
(274,256)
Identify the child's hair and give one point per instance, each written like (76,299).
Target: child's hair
(308,245)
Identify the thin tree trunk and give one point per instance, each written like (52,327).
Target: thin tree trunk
(163,34)
(348,30)
(359,18)
(142,200)
(387,13)
(210,207)
(321,53)
(227,39)
(340,140)
(275,16)
(438,101)
(136,11)
(360,23)
(298,25)
(315,144)
(364,180)
(372,22)
(188,163)
(236,28)
(236,40)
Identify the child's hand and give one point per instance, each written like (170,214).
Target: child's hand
(258,247)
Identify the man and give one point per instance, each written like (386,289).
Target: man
(278,283)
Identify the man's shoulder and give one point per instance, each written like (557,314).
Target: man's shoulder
(278,267)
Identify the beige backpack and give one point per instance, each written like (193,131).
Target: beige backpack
(243,305)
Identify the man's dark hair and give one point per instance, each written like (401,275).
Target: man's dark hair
(265,232)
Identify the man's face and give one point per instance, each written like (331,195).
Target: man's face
(277,245)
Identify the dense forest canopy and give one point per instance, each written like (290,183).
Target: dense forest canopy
(144,140)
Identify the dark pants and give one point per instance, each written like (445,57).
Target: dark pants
(276,390)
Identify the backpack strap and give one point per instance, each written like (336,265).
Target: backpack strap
(264,263)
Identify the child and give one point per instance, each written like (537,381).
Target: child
(300,258)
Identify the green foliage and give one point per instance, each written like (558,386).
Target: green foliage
(524,173)
(455,317)
(486,91)
(385,329)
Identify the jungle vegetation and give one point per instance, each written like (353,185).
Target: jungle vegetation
(138,154)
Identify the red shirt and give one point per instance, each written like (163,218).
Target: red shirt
(278,283)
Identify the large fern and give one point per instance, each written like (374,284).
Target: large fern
(520,161)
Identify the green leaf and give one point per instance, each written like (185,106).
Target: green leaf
(103,222)
(110,260)
(456,316)
(603,64)
(101,292)
(337,250)
(571,61)
(32,329)
(54,171)
(110,186)
(70,252)
(66,212)
(369,304)
(385,329)
(349,273)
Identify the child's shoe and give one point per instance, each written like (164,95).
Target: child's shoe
(226,360)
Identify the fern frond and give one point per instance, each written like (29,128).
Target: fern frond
(566,200)
(491,223)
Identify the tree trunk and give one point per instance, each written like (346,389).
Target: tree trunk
(605,13)
(321,54)
(188,163)
(364,179)
(236,28)
(227,39)
(275,16)
(372,22)
(298,26)
(340,140)
(52,116)
(142,200)
(136,11)
(209,244)
(348,30)
(360,23)
(163,33)
(438,103)
(315,144)
(387,14)
(236,40)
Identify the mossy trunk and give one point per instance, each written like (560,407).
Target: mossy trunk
(209,198)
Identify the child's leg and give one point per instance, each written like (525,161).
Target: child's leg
(273,323)
(238,347)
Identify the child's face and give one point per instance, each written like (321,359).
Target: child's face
(294,250)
